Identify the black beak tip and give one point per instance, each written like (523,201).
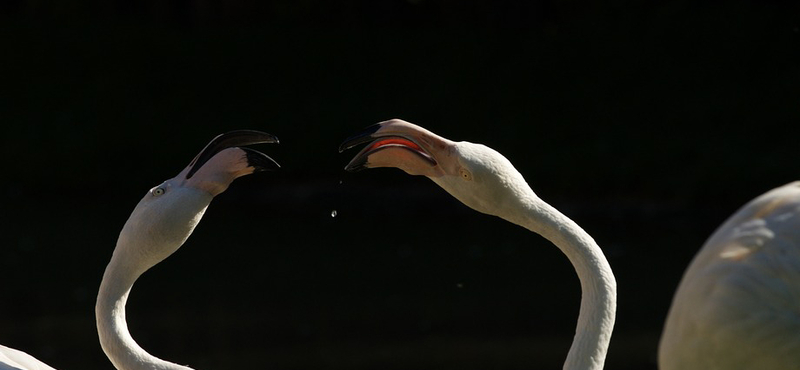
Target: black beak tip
(361,137)
(260,161)
(353,141)
(249,137)
(357,164)
(236,138)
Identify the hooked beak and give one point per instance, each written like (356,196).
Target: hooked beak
(259,161)
(397,143)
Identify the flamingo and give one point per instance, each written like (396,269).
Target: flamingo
(738,304)
(158,226)
(14,359)
(487,182)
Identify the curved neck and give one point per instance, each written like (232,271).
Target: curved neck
(598,286)
(112,328)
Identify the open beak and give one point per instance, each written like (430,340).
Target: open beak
(395,143)
(259,161)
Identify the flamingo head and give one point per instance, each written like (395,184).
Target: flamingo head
(169,212)
(475,174)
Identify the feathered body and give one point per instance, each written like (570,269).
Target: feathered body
(738,304)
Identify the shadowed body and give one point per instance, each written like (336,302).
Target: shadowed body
(738,304)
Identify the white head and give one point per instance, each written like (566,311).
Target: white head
(475,174)
(169,212)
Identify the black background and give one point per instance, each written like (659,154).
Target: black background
(648,123)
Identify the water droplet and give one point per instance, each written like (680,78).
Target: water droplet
(334,213)
(459,285)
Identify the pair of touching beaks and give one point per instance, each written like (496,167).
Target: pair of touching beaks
(394,133)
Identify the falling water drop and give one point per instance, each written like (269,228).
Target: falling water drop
(334,213)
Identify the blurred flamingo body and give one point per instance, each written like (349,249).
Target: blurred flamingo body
(13,359)
(738,304)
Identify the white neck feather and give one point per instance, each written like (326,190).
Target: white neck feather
(112,328)
(151,234)
(598,286)
(495,187)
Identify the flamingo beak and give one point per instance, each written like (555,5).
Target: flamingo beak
(395,143)
(259,161)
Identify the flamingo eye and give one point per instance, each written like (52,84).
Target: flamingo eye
(465,174)
(158,191)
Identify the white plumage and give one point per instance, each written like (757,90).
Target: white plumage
(158,226)
(484,180)
(738,304)
(13,359)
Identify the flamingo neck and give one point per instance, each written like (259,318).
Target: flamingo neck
(112,328)
(598,286)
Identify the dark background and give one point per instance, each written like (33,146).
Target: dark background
(647,122)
